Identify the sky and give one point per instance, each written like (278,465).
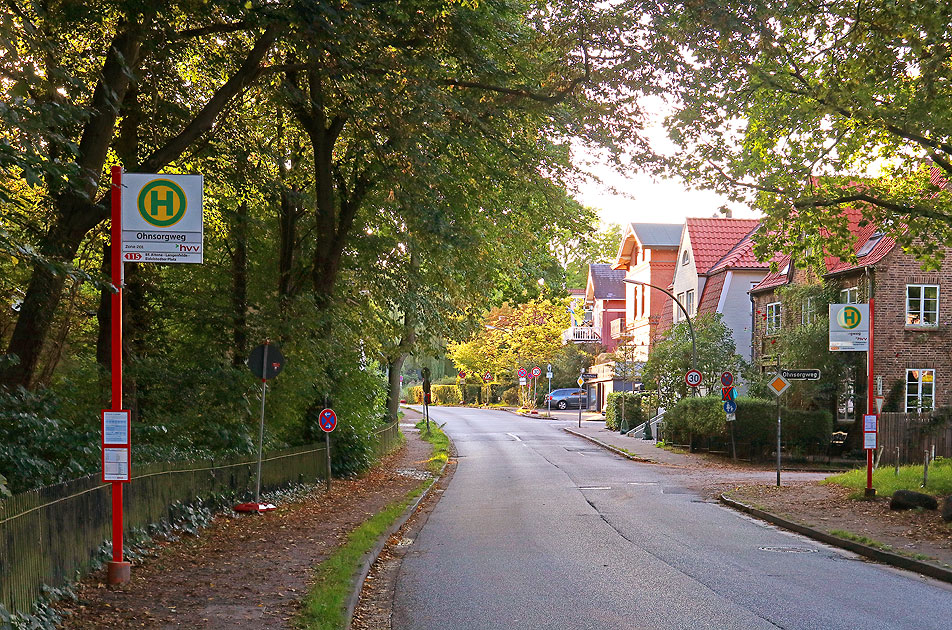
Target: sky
(639,198)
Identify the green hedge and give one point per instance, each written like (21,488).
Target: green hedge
(634,414)
(415,395)
(446,395)
(470,393)
(511,396)
(491,394)
(695,419)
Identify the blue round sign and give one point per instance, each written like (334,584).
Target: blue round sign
(328,420)
(730,406)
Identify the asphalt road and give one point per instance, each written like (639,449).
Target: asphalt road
(540,529)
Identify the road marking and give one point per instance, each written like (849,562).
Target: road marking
(595,487)
(514,436)
(642,483)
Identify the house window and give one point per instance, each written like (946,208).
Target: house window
(808,313)
(689,302)
(922,305)
(849,296)
(686,258)
(677,310)
(870,244)
(846,398)
(920,390)
(773,318)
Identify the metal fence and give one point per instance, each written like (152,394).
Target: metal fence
(904,438)
(51,535)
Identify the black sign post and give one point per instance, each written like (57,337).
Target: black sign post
(265,362)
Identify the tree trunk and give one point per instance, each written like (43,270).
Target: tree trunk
(239,294)
(39,305)
(395,366)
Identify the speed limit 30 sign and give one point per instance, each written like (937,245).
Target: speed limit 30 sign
(693,378)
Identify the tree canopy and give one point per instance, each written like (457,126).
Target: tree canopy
(799,107)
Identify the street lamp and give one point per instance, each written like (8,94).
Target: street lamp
(683,310)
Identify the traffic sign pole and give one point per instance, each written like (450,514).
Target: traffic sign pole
(870,407)
(264,393)
(118,572)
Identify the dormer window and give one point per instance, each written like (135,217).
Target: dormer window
(870,244)
(686,258)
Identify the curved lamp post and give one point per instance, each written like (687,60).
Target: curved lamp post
(683,310)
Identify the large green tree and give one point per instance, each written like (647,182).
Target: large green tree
(799,107)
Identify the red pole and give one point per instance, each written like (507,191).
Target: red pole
(118,571)
(870,401)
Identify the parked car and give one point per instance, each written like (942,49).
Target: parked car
(568,397)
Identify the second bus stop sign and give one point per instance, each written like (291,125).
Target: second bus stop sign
(275,362)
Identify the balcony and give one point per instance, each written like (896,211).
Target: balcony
(580,334)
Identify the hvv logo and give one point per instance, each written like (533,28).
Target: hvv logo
(190,248)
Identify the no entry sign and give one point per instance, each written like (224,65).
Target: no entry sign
(328,420)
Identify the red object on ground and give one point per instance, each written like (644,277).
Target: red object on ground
(251,506)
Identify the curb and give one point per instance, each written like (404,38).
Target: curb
(885,557)
(613,449)
(371,556)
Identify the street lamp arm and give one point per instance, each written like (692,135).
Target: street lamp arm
(683,310)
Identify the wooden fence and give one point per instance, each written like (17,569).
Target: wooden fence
(52,535)
(905,437)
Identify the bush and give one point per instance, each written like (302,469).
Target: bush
(36,447)
(492,394)
(756,421)
(415,395)
(807,429)
(695,419)
(470,394)
(633,411)
(512,396)
(446,395)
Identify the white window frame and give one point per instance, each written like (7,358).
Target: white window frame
(677,309)
(774,313)
(689,305)
(685,258)
(809,311)
(849,295)
(921,313)
(920,384)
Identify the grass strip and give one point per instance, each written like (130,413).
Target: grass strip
(865,540)
(886,481)
(324,606)
(439,442)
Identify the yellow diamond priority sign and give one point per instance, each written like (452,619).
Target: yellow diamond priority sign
(778,384)
(581,381)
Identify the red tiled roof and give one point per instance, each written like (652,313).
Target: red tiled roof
(832,263)
(740,257)
(712,239)
(712,293)
(775,279)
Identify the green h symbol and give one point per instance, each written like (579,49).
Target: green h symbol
(166,203)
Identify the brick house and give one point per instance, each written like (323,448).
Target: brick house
(605,296)
(912,321)
(648,253)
